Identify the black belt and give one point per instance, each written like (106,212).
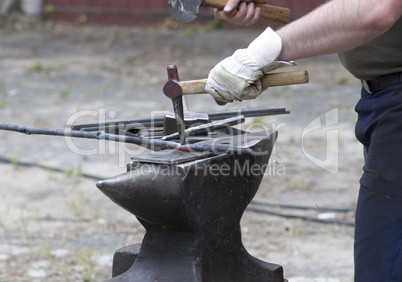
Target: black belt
(382,82)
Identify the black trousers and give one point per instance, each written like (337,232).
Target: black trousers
(378,231)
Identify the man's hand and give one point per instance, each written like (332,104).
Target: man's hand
(240,12)
(238,77)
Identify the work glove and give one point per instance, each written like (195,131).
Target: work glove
(239,77)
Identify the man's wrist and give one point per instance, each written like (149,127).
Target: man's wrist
(266,48)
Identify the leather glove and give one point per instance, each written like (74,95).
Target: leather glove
(238,77)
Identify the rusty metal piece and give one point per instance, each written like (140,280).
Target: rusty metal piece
(173,90)
(191,212)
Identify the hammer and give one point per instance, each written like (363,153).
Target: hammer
(188,10)
(175,89)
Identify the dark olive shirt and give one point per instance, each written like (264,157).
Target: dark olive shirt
(381,56)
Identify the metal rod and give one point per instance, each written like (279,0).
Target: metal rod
(144,142)
(207,127)
(307,218)
(38,165)
(296,207)
(256,112)
(155,121)
(158,121)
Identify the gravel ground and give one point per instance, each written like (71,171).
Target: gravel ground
(57,226)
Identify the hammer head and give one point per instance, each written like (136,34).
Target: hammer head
(173,90)
(185,10)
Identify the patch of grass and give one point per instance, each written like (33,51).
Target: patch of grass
(298,183)
(258,120)
(290,234)
(3,103)
(335,104)
(52,173)
(49,9)
(46,248)
(14,161)
(340,141)
(3,21)
(73,172)
(99,90)
(23,87)
(285,92)
(14,112)
(84,258)
(3,225)
(23,224)
(190,31)
(342,81)
(64,92)
(214,24)
(77,205)
(3,87)
(39,68)
(292,139)
(40,121)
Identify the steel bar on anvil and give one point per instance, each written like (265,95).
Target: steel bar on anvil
(258,112)
(158,121)
(155,122)
(207,127)
(144,142)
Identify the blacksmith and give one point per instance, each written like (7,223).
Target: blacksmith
(367,35)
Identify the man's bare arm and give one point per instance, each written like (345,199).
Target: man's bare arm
(337,26)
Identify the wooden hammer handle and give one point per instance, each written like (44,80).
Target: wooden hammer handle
(273,79)
(268,12)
